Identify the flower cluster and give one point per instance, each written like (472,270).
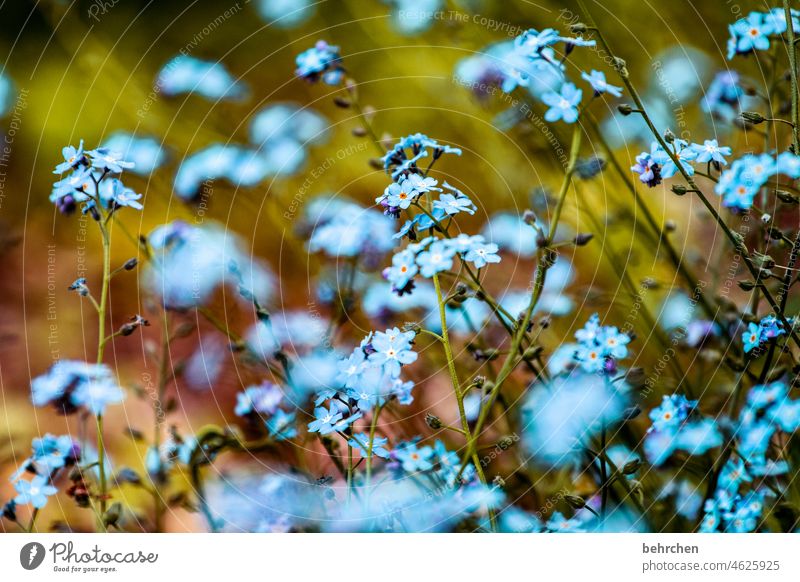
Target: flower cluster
(600,347)
(759,333)
(87,178)
(740,184)
(657,164)
(677,426)
(320,62)
(70,385)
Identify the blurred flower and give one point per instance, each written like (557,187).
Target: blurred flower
(322,61)
(562,416)
(36,491)
(71,384)
(188,74)
(145,153)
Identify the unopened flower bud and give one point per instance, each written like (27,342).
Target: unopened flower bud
(583,239)
(669,137)
(575,501)
(433,421)
(625,109)
(130,264)
(578,28)
(631,467)
(679,189)
(753,117)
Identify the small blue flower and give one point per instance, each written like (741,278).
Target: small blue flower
(392,350)
(597,80)
(648,169)
(683,153)
(450,204)
(73,157)
(437,258)
(671,413)
(263,399)
(564,104)
(36,491)
(749,34)
(560,524)
(281,425)
(360,442)
(106,160)
(325,420)
(482,254)
(710,151)
(413,458)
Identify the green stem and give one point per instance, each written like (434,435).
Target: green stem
(101,342)
(451,366)
(793,72)
(545,261)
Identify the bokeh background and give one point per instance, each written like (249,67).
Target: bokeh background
(84,70)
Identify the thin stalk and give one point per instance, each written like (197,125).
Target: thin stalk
(544,263)
(792,49)
(471,454)
(101,334)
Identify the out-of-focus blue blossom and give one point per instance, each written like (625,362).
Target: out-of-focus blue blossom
(676,427)
(283,132)
(263,399)
(278,501)
(188,74)
(345,229)
(597,80)
(36,491)
(7,93)
(240,165)
(281,425)
(145,153)
(205,365)
(72,384)
(312,373)
(739,185)
(413,16)
(190,262)
(285,13)
(623,130)
(564,104)
(322,61)
(297,331)
(561,417)
(560,524)
(725,98)
(48,454)
(679,73)
(510,233)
